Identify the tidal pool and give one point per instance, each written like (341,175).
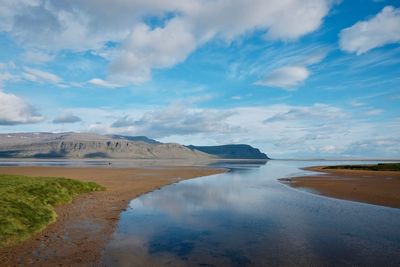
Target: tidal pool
(247,218)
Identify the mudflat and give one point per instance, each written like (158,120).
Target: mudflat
(373,187)
(83,227)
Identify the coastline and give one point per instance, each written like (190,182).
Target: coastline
(83,227)
(372,187)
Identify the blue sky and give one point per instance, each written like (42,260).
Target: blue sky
(319,78)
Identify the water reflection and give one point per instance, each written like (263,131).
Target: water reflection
(146,163)
(238,165)
(247,218)
(55,163)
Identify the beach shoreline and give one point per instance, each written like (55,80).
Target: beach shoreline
(372,187)
(83,227)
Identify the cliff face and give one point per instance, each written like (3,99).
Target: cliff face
(74,145)
(232,151)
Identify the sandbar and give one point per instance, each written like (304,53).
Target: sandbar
(373,187)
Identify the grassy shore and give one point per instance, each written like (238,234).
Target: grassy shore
(82,229)
(27,203)
(376,167)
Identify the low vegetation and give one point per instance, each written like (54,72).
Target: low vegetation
(376,167)
(27,203)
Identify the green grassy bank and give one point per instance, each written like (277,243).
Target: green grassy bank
(376,167)
(27,203)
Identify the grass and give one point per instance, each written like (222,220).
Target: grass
(27,203)
(377,167)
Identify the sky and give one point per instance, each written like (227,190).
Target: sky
(295,78)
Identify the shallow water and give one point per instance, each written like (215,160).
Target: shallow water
(247,218)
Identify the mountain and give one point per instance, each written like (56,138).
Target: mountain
(240,151)
(134,138)
(88,145)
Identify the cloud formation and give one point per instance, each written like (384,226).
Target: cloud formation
(317,112)
(378,31)
(6,76)
(67,118)
(148,48)
(280,130)
(14,110)
(40,76)
(291,68)
(125,121)
(375,146)
(176,120)
(180,27)
(287,77)
(36,57)
(102,83)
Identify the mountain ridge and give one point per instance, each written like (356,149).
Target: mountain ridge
(232,151)
(90,145)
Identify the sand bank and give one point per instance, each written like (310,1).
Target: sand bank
(84,226)
(374,187)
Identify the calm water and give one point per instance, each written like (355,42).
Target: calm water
(247,218)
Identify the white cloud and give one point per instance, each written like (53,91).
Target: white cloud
(279,19)
(88,25)
(7,65)
(288,77)
(384,147)
(317,112)
(6,73)
(125,121)
(40,76)
(14,110)
(357,104)
(316,57)
(63,22)
(378,31)
(103,83)
(292,70)
(6,76)
(36,57)
(67,118)
(328,149)
(148,48)
(166,46)
(374,112)
(176,120)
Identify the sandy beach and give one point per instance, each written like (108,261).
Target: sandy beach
(373,187)
(83,227)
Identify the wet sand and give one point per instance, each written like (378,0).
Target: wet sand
(83,227)
(373,187)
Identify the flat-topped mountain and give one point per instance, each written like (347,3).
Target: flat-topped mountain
(89,145)
(134,138)
(240,151)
